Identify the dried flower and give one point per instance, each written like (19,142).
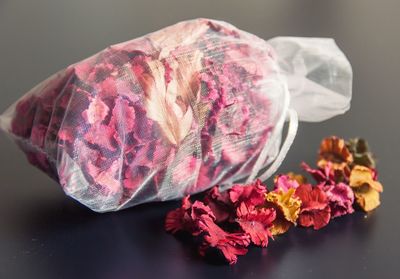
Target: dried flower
(360,150)
(324,175)
(252,194)
(334,150)
(256,222)
(155,111)
(284,182)
(301,179)
(315,210)
(367,198)
(365,188)
(252,214)
(230,244)
(287,206)
(341,198)
(220,204)
(339,194)
(179,219)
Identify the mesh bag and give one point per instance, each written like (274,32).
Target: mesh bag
(177,111)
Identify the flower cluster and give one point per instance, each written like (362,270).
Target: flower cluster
(230,221)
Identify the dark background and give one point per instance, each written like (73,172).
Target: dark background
(44,234)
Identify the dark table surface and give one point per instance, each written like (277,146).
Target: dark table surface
(44,234)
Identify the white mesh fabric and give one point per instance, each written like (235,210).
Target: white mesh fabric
(171,113)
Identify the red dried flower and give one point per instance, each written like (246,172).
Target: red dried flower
(256,222)
(252,194)
(179,219)
(230,244)
(186,217)
(220,204)
(340,195)
(315,210)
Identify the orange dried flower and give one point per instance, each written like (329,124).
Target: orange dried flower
(334,150)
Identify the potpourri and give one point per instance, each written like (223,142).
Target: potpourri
(230,221)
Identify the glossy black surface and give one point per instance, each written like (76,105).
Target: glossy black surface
(44,234)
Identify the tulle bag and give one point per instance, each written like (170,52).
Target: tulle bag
(177,111)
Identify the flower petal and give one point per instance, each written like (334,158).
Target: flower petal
(360,150)
(284,182)
(220,204)
(287,202)
(301,179)
(252,194)
(315,210)
(340,197)
(312,198)
(367,197)
(334,150)
(230,244)
(179,219)
(256,223)
(361,175)
(316,218)
(96,112)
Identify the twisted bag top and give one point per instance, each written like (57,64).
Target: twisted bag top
(177,111)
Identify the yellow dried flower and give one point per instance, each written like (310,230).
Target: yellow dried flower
(366,189)
(287,207)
